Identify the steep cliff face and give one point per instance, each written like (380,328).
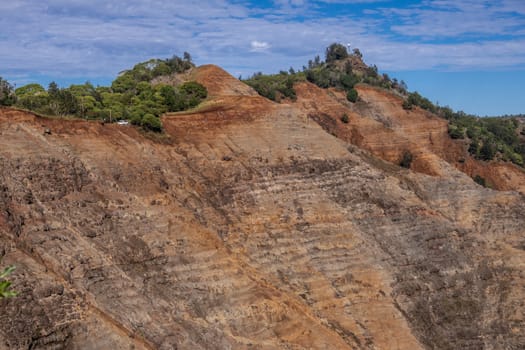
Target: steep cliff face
(250,227)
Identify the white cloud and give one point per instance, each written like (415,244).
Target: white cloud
(259,46)
(351,1)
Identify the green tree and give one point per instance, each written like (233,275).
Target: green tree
(30,89)
(407,104)
(150,122)
(88,106)
(32,97)
(53,89)
(348,81)
(336,52)
(68,102)
(488,150)
(193,93)
(161,69)
(456,132)
(169,96)
(7,94)
(123,83)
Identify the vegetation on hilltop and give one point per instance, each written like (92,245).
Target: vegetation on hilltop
(131,95)
(275,86)
(340,70)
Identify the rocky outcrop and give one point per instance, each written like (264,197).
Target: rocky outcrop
(248,226)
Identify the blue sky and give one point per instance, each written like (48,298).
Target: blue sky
(468,54)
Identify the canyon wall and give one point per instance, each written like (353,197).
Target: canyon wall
(255,225)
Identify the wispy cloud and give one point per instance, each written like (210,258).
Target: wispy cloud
(74,38)
(441,19)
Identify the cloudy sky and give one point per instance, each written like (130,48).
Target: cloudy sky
(468,54)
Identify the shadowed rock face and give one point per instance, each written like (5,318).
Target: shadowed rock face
(250,227)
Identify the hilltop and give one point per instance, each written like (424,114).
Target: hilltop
(316,222)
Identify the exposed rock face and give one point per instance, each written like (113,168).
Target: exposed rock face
(251,227)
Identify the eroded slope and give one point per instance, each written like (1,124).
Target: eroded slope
(249,228)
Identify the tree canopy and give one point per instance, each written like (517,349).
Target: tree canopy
(132,95)
(336,52)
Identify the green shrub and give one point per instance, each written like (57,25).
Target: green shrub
(192,93)
(193,89)
(348,81)
(516,158)
(150,122)
(406,160)
(344,118)
(275,86)
(416,99)
(488,150)
(351,95)
(456,132)
(321,76)
(480,180)
(473,148)
(5,284)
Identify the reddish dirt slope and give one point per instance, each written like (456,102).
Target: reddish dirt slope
(379,124)
(221,83)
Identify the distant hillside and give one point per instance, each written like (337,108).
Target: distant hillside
(500,138)
(152,88)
